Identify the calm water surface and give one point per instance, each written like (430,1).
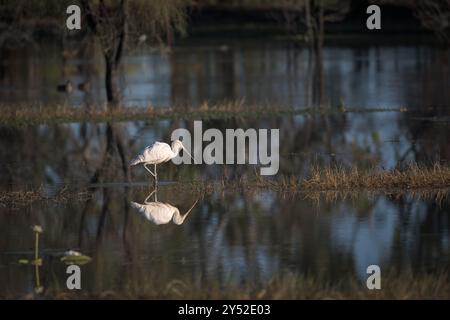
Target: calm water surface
(262,71)
(228,237)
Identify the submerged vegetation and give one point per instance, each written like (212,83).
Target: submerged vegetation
(32,115)
(253,236)
(19,198)
(332,183)
(412,178)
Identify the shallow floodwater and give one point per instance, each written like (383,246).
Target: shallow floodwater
(262,71)
(226,240)
(229,237)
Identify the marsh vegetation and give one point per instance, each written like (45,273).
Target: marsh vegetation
(364,172)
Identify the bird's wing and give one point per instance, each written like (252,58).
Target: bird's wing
(156,212)
(156,153)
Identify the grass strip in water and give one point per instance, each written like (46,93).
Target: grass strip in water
(325,183)
(413,178)
(33,115)
(19,198)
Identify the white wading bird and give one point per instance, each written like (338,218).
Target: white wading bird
(161,213)
(158,152)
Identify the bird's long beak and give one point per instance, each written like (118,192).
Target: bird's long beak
(185,215)
(189,154)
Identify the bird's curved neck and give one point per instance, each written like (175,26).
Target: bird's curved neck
(176,149)
(177,217)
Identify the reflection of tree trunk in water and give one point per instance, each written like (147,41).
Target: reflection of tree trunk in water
(86,135)
(126,209)
(227,69)
(87,208)
(444,53)
(105,209)
(433,104)
(314,11)
(404,213)
(314,20)
(318,32)
(308,83)
(114,140)
(328,139)
(128,256)
(292,69)
(318,80)
(307,133)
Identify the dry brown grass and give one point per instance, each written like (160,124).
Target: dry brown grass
(61,114)
(288,286)
(417,180)
(412,177)
(328,184)
(26,115)
(13,198)
(18,198)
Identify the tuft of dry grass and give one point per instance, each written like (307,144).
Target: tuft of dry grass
(411,177)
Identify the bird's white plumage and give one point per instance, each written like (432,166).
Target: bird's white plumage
(158,212)
(158,152)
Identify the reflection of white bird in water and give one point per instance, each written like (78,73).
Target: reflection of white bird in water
(161,213)
(158,152)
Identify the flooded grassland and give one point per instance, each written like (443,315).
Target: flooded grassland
(363,175)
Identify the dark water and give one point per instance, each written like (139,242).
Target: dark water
(229,237)
(262,71)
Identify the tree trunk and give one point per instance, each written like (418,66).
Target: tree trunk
(111,83)
(308,22)
(314,17)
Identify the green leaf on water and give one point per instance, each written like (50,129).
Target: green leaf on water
(81,259)
(24,261)
(37,262)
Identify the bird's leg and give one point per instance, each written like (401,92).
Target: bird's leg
(156,175)
(145,166)
(146,199)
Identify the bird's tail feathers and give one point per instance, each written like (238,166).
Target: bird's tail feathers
(135,161)
(136,205)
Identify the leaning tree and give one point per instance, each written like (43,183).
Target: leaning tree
(115,24)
